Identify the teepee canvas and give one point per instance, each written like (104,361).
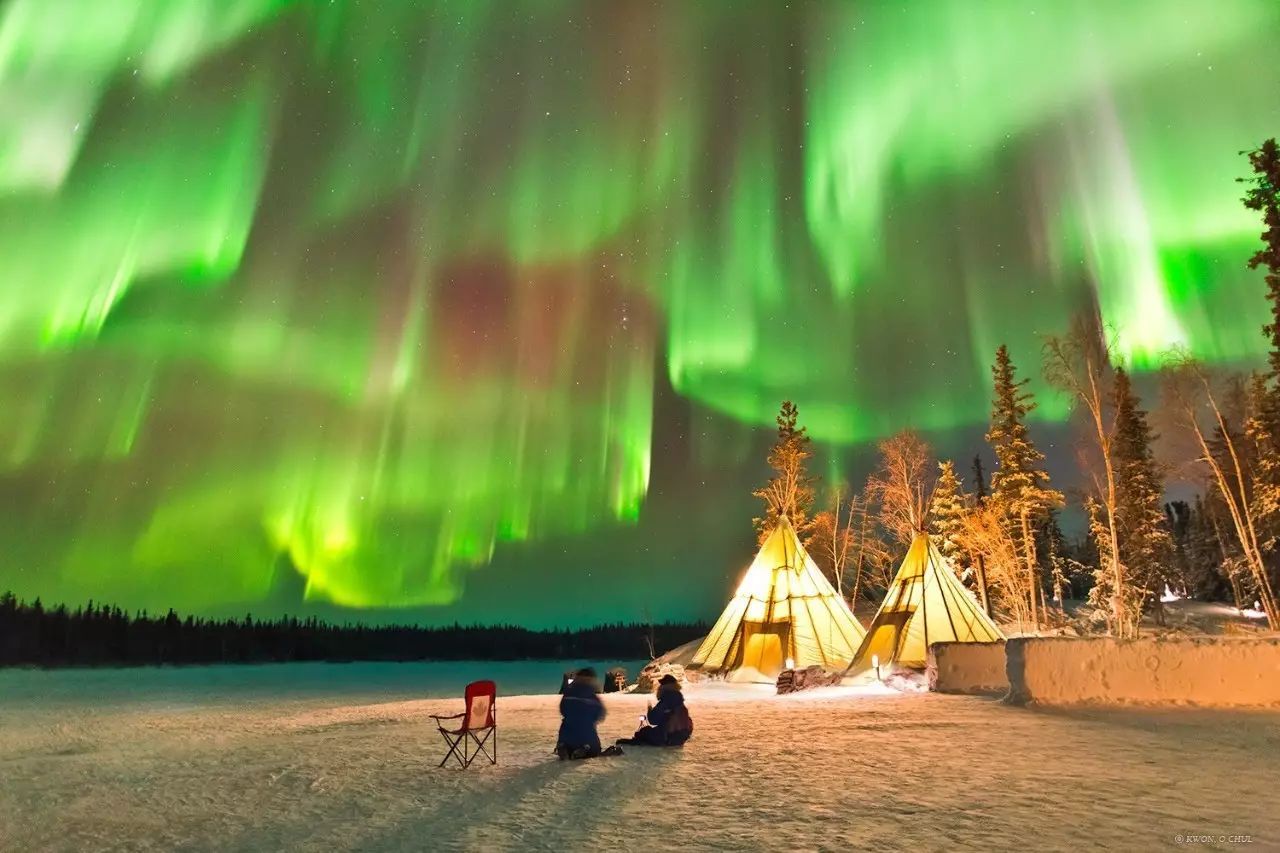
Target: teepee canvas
(926,603)
(783,610)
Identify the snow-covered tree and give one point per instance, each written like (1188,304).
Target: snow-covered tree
(1203,411)
(1079,363)
(1207,553)
(1146,548)
(1020,490)
(946,516)
(1057,563)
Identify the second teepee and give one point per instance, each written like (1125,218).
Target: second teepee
(784,613)
(926,603)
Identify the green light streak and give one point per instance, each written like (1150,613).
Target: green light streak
(347,295)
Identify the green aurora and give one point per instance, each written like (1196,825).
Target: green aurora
(356,292)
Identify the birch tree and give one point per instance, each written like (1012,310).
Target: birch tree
(903,485)
(1195,406)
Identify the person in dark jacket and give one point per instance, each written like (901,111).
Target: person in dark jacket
(669,723)
(580,711)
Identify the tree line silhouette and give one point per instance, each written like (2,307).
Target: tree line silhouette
(98,634)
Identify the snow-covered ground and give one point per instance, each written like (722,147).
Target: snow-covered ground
(338,757)
(1182,617)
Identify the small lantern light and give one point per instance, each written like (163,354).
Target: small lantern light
(791,664)
(875,662)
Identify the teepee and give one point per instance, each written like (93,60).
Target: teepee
(784,612)
(926,603)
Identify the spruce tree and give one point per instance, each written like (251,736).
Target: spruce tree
(1212,566)
(979,562)
(1263,429)
(1146,548)
(1178,519)
(1019,486)
(1259,449)
(1263,196)
(946,517)
(1056,562)
(789,491)
(1202,553)
(979,480)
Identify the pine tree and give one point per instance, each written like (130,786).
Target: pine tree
(946,517)
(789,491)
(1263,428)
(1056,557)
(1202,553)
(1019,487)
(1178,519)
(979,560)
(1214,568)
(1263,196)
(1261,457)
(1146,548)
(1101,592)
(979,480)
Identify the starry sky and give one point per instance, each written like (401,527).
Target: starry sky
(481,310)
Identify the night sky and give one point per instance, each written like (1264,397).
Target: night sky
(482,310)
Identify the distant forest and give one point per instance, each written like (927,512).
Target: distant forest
(96,634)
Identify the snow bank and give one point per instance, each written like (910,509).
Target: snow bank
(1212,672)
(972,668)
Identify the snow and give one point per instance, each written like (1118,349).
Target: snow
(340,757)
(1188,616)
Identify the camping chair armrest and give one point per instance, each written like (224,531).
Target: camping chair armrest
(449,717)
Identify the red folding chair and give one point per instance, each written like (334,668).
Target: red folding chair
(479,723)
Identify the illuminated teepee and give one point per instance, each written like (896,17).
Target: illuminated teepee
(926,603)
(783,613)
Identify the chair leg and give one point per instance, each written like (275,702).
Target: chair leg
(480,743)
(453,749)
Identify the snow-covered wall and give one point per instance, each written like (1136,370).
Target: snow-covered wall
(967,668)
(1217,672)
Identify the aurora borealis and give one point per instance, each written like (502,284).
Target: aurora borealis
(336,301)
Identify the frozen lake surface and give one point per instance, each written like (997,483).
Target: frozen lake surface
(342,757)
(238,684)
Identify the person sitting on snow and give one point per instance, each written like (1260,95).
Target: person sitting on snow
(581,710)
(669,723)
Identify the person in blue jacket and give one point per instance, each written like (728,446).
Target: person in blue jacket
(581,711)
(669,720)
